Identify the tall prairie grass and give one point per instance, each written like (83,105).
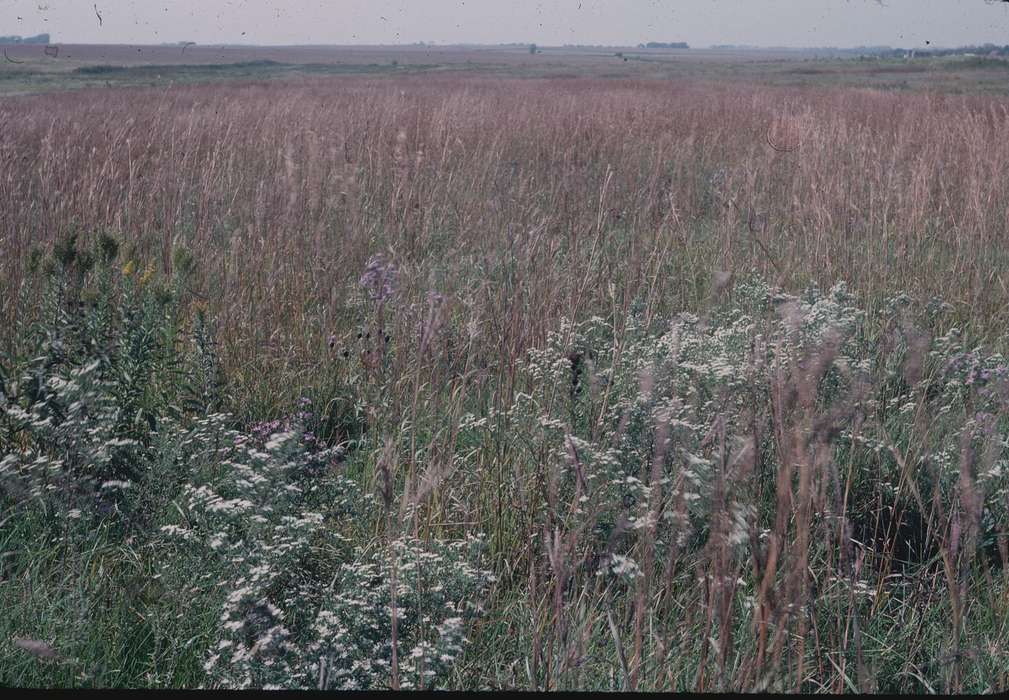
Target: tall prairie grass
(577,392)
(284,191)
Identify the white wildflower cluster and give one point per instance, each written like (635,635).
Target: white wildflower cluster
(437,592)
(621,566)
(71,453)
(606,407)
(264,516)
(259,513)
(97,370)
(962,395)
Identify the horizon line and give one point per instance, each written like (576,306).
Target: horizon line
(464,44)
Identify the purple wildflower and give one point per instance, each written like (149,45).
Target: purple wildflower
(379,278)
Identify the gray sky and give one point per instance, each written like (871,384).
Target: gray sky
(548,22)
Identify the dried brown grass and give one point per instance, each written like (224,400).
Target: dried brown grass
(285,190)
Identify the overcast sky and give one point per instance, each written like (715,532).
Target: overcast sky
(906,23)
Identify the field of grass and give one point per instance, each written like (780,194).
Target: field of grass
(453,374)
(27,69)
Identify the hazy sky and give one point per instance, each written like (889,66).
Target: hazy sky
(547,22)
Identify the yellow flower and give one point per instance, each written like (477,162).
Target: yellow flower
(148,274)
(128,268)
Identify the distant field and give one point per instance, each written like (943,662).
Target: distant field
(27,69)
(140,55)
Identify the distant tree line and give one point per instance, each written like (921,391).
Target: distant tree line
(664,45)
(982,50)
(877,51)
(15,39)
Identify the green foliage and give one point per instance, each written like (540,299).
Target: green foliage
(780,452)
(115,454)
(101,364)
(657,455)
